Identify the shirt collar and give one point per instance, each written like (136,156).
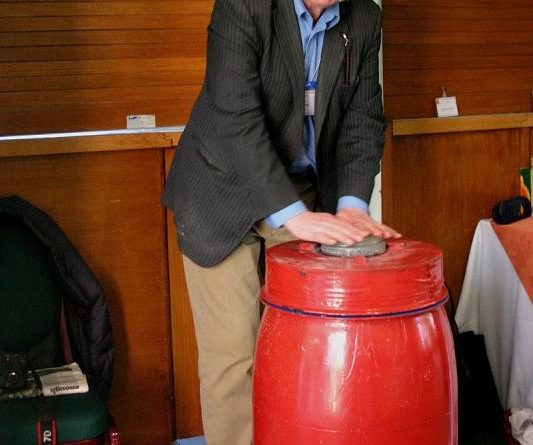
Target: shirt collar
(299,7)
(330,15)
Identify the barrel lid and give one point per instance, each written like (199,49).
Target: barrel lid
(371,245)
(407,277)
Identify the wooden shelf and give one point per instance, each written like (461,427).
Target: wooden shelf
(87,144)
(409,127)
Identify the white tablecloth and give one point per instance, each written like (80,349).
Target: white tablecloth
(494,303)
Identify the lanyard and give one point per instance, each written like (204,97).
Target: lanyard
(318,58)
(314,76)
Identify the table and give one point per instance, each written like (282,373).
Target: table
(495,303)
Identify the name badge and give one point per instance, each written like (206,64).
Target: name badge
(310,92)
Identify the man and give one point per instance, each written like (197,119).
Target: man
(283,142)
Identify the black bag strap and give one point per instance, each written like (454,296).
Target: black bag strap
(46,423)
(63,335)
(460,356)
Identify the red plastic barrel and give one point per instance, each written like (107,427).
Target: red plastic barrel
(355,350)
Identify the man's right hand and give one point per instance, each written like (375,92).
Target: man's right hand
(324,228)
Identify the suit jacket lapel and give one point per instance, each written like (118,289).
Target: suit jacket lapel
(331,60)
(290,42)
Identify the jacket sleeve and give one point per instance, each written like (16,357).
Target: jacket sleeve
(233,89)
(361,136)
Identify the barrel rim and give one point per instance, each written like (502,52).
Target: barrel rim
(358,316)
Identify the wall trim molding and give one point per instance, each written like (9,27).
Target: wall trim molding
(407,127)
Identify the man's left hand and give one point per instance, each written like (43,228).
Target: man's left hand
(365,223)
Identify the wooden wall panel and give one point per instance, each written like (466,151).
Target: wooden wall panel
(90,116)
(86,65)
(108,205)
(438,186)
(185,352)
(481,51)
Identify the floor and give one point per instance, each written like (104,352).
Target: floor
(488,438)
(191,441)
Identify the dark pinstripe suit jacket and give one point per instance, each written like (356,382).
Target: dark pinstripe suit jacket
(247,124)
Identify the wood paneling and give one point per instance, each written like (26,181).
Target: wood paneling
(438,186)
(86,65)
(66,8)
(108,205)
(185,352)
(90,116)
(481,51)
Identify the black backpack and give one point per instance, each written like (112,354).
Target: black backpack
(83,310)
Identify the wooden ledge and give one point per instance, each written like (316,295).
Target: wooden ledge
(85,144)
(408,127)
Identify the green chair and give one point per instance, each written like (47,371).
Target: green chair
(32,322)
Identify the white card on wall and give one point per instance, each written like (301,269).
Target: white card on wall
(140,121)
(446,106)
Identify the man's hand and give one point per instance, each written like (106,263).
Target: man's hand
(348,226)
(324,228)
(362,221)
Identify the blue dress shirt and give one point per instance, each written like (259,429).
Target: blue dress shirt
(312,35)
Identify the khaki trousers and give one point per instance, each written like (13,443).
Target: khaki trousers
(225,307)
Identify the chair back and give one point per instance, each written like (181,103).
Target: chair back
(30,296)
